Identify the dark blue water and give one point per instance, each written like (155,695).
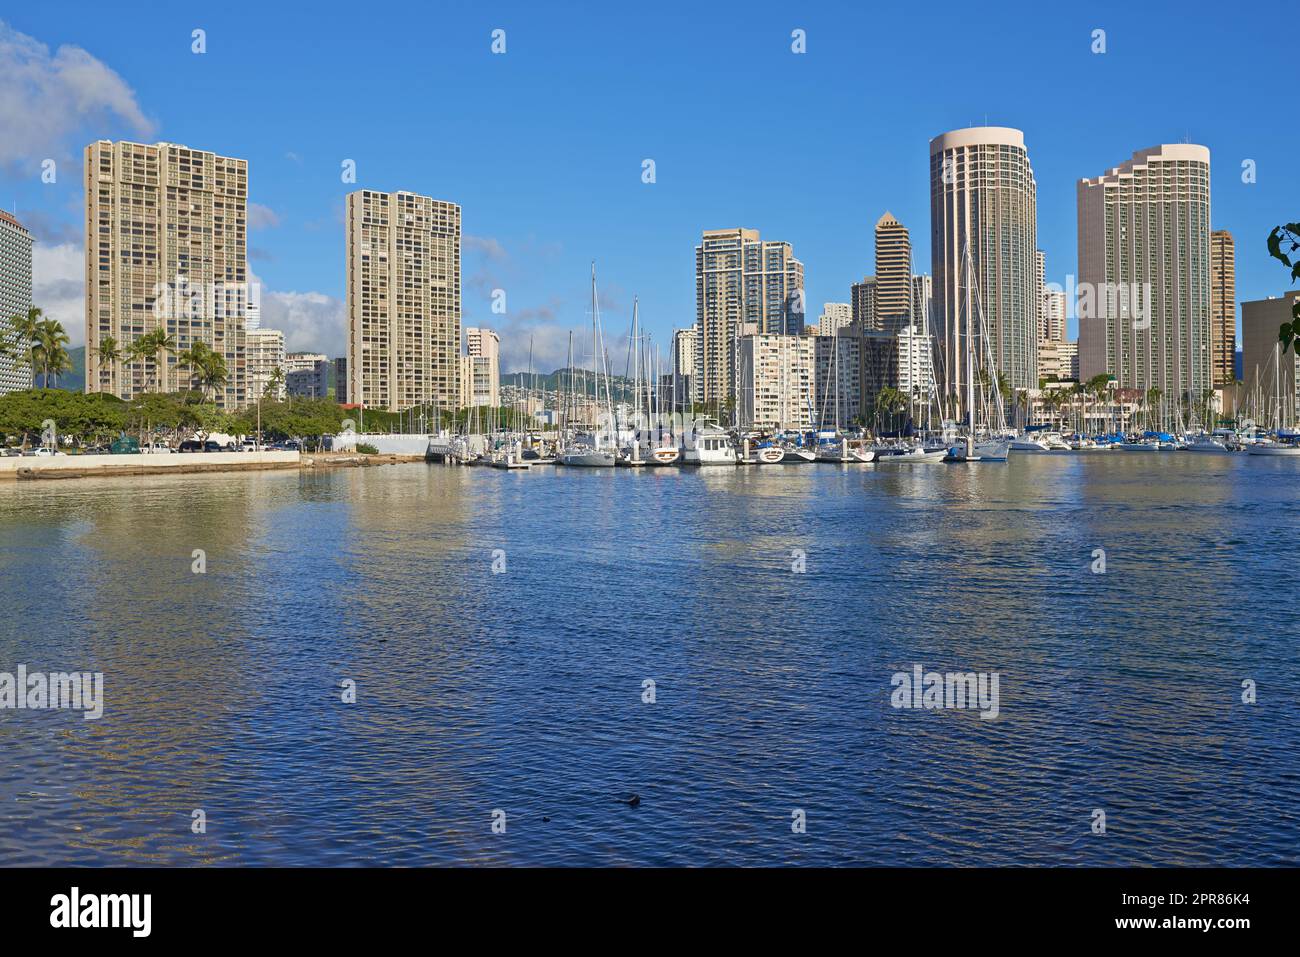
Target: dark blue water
(522,691)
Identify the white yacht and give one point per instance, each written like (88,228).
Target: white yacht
(1269,447)
(1028,443)
(710,446)
(1204,443)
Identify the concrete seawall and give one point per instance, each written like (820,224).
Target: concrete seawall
(82,466)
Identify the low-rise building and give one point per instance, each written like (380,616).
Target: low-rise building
(306,375)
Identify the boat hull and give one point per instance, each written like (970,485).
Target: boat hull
(910,457)
(592,459)
(799,457)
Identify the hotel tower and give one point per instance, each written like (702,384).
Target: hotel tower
(15,299)
(1144,272)
(983,204)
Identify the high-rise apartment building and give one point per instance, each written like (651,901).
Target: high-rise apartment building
(1040,291)
(983,210)
(1223,306)
(862,300)
(684,388)
(166,249)
(1051,324)
(263,354)
(893,275)
(1144,272)
(403,300)
(741,279)
(15,300)
(835,316)
(776,381)
(915,364)
(481,368)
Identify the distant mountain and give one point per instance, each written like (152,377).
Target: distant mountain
(75,381)
(559,379)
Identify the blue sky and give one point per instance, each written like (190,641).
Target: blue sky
(543,146)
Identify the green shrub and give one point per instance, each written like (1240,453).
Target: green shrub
(365,448)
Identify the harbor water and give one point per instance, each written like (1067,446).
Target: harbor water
(531,649)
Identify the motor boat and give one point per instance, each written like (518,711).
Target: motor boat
(710,446)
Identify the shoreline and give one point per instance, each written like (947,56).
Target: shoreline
(64,467)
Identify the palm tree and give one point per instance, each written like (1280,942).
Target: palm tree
(274,381)
(26,327)
(1004,388)
(890,401)
(109,352)
(194,359)
(212,371)
(52,343)
(150,346)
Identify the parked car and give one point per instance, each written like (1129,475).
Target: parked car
(190,445)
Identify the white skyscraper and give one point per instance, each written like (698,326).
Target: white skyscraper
(983,204)
(15,298)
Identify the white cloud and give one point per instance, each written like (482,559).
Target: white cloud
(485,246)
(45,99)
(262,217)
(59,286)
(310,321)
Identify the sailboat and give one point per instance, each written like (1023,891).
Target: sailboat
(584,454)
(994,445)
(839,450)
